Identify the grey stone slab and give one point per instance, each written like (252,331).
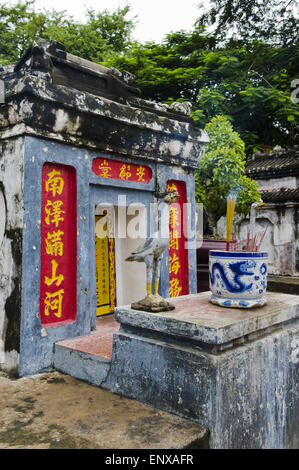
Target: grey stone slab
(196,319)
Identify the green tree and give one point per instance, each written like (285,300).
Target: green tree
(101,35)
(250,84)
(244,68)
(247,77)
(270,21)
(253,86)
(221,171)
(167,71)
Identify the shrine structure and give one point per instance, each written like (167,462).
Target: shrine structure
(76,139)
(83,160)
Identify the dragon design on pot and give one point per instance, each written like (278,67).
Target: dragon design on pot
(239,269)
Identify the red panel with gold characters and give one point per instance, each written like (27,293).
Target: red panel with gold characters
(58,282)
(114,169)
(178,252)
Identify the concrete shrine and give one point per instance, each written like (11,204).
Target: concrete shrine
(76,138)
(83,155)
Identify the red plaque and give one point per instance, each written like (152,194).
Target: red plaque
(178,251)
(58,282)
(107,168)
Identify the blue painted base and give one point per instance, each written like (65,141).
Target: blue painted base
(238,303)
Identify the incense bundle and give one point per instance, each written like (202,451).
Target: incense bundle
(262,238)
(252,243)
(230,210)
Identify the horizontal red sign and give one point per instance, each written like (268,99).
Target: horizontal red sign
(107,168)
(58,299)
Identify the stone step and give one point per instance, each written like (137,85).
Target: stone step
(88,357)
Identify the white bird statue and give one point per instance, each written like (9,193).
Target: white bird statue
(151,251)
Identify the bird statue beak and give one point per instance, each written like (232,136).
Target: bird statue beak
(175,197)
(260,205)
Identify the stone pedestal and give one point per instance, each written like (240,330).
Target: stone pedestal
(233,370)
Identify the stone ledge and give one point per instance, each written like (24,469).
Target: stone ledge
(196,319)
(285,284)
(80,118)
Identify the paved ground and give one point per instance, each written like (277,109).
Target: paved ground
(56,411)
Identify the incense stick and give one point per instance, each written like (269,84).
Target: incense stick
(230,209)
(253,243)
(248,238)
(262,238)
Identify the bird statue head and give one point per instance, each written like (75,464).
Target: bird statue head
(258,204)
(171,197)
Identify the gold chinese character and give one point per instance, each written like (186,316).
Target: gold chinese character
(140,173)
(174,287)
(54,211)
(105,169)
(125,172)
(54,183)
(53,301)
(172,187)
(54,243)
(174,217)
(173,240)
(57,279)
(174,264)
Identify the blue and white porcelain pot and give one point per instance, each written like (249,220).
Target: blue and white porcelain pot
(238,279)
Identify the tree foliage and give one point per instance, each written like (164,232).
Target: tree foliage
(101,35)
(221,171)
(270,21)
(250,84)
(243,68)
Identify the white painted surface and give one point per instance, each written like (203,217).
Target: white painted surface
(130,276)
(11,218)
(275,184)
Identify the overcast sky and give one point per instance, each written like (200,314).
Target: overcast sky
(156,17)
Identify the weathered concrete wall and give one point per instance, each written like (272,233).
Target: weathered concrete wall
(274,184)
(246,397)
(37,341)
(256,403)
(82,119)
(11,229)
